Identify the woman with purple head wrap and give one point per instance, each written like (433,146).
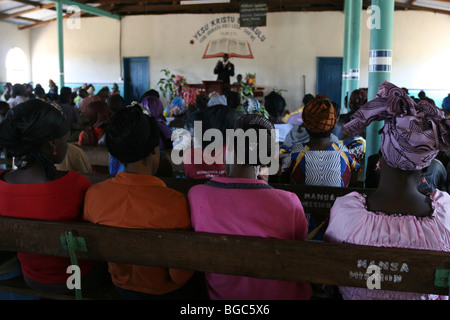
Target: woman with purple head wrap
(156,109)
(396,214)
(413,133)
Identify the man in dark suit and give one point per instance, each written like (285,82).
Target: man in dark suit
(224,69)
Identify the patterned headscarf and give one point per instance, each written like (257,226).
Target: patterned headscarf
(252,106)
(217,100)
(177,107)
(319,115)
(413,133)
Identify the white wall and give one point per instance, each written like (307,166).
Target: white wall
(292,42)
(13,37)
(91,53)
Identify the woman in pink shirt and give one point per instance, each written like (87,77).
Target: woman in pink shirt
(243,203)
(396,214)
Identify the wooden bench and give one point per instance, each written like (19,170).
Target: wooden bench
(315,262)
(98,157)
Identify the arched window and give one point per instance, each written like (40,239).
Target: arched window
(16,66)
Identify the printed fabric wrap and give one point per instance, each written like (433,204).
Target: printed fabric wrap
(319,115)
(177,107)
(413,133)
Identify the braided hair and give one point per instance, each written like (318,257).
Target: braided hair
(259,124)
(27,127)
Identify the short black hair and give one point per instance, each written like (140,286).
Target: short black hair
(132,135)
(275,104)
(65,95)
(150,93)
(18,90)
(116,103)
(307,98)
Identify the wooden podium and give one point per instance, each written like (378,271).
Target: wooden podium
(211,86)
(220,87)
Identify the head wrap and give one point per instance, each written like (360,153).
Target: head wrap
(154,106)
(27,127)
(132,134)
(252,106)
(413,133)
(177,107)
(319,115)
(217,100)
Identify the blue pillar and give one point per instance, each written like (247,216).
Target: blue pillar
(380,62)
(59,18)
(345,60)
(355,47)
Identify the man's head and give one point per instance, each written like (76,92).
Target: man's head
(225,57)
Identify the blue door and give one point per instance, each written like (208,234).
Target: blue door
(329,78)
(136,78)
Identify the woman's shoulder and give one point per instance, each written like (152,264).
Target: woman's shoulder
(441,206)
(76,177)
(352,200)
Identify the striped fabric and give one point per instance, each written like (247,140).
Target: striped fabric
(330,167)
(323,168)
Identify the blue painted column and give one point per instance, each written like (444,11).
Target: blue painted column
(355,47)
(345,59)
(380,62)
(59,18)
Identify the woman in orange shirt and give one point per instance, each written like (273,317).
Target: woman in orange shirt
(136,198)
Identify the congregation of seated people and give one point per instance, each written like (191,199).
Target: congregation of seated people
(319,143)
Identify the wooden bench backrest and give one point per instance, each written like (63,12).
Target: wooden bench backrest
(315,262)
(309,261)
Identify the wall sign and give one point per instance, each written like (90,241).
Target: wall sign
(253,14)
(227,35)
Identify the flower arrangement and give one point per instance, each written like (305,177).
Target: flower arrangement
(180,85)
(249,85)
(172,86)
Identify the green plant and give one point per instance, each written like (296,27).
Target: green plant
(166,85)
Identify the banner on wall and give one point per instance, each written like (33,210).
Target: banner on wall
(253,14)
(226,35)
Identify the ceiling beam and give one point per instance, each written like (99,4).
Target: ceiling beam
(19,13)
(42,23)
(409,6)
(26,19)
(89,9)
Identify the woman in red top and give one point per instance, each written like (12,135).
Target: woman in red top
(36,133)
